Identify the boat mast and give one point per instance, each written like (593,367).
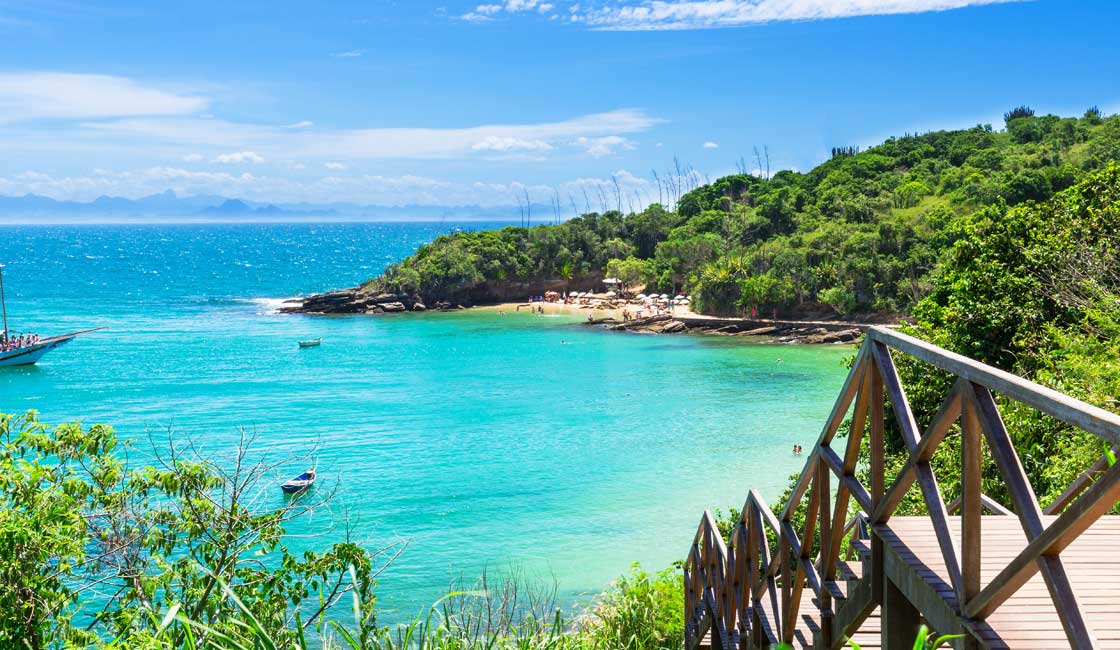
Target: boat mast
(3,304)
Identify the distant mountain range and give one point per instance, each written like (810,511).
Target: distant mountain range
(170,207)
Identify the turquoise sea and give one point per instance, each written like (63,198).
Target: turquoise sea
(483,440)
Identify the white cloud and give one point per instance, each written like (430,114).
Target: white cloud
(604,146)
(302,124)
(337,166)
(193,157)
(711,145)
(239,157)
(278,143)
(699,14)
(487,12)
(47,95)
(348,54)
(507,144)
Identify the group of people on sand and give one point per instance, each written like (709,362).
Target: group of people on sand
(16,342)
(644,312)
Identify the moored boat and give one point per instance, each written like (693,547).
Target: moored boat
(310,343)
(299,483)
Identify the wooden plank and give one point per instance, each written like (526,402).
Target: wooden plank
(1063,407)
(893,385)
(848,482)
(1084,480)
(991,505)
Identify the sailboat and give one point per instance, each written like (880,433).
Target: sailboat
(26,350)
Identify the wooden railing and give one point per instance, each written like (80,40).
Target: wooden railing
(749,593)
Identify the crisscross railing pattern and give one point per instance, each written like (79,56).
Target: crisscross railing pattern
(746,595)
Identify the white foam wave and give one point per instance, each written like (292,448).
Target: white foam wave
(268,305)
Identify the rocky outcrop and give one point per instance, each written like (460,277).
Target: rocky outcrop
(778,331)
(357,301)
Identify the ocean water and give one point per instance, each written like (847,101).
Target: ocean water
(485,441)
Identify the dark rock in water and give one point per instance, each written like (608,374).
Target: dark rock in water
(419,307)
(673,327)
(442,304)
(392,306)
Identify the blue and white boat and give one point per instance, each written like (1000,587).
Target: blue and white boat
(299,483)
(24,351)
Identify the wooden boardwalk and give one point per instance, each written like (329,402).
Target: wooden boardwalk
(837,564)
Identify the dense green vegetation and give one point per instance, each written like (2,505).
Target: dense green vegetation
(1035,290)
(861,232)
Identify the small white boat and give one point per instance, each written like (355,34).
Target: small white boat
(310,343)
(299,483)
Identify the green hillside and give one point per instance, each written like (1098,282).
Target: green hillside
(859,233)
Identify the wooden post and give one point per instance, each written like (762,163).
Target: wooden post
(970,510)
(900,619)
(878,479)
(824,493)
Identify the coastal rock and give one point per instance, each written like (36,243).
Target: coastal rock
(392,307)
(419,307)
(674,327)
(760,331)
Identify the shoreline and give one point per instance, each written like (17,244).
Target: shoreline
(677,320)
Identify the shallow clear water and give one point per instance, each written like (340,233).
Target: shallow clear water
(484,440)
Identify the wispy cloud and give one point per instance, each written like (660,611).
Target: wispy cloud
(711,145)
(487,12)
(635,15)
(335,166)
(348,54)
(507,143)
(604,146)
(302,124)
(56,95)
(239,158)
(279,143)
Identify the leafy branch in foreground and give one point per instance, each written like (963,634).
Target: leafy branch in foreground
(91,549)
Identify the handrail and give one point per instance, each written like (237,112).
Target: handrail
(746,590)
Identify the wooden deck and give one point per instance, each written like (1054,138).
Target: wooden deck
(1028,619)
(837,563)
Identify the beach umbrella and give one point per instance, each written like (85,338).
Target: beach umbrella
(611,293)
(642,296)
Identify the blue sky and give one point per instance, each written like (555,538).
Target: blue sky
(451,103)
